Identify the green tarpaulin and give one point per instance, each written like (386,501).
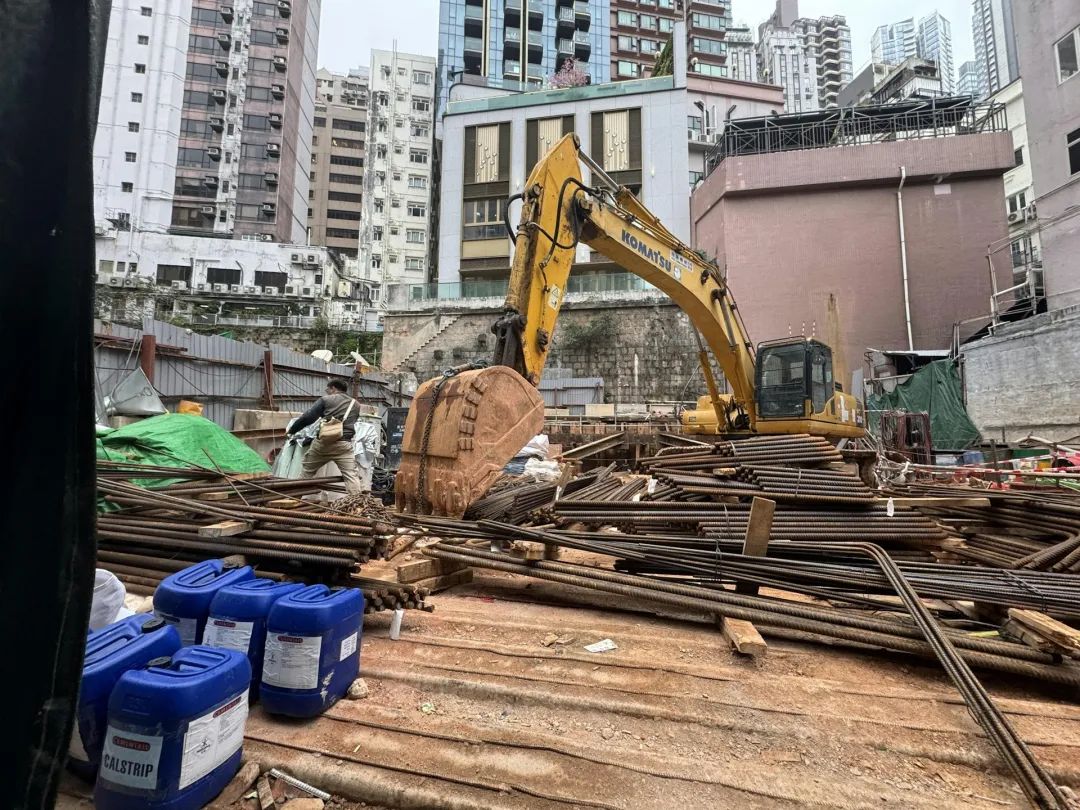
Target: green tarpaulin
(935,389)
(176,439)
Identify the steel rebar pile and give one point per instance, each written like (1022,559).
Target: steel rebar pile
(382,595)
(798,450)
(776,483)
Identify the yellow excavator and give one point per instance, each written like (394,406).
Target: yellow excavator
(467,424)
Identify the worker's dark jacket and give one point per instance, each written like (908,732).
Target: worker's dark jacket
(332,405)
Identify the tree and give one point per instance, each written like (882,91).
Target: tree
(569,75)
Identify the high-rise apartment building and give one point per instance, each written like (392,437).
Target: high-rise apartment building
(934,44)
(967,82)
(810,58)
(741,55)
(638,33)
(395,228)
(520,44)
(337,160)
(205,119)
(992,29)
(892,44)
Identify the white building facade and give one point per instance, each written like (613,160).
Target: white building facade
(395,228)
(1019,184)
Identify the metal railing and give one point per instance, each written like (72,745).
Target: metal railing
(853,126)
(273,321)
(400,296)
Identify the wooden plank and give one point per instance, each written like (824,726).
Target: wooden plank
(946,500)
(1061,635)
(758,531)
(424,569)
(744,637)
(226,528)
(213,496)
(285,503)
(1013,629)
(436,584)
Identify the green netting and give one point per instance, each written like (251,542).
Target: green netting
(175,440)
(935,389)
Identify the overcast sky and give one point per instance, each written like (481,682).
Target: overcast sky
(351,28)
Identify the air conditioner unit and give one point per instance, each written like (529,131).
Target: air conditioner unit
(179,285)
(280,63)
(271,291)
(217,123)
(692,134)
(273,149)
(312,258)
(1015,217)
(277,90)
(214,152)
(100,230)
(296,258)
(201,287)
(116,281)
(290,289)
(275,120)
(226,13)
(234,288)
(210,181)
(1030,214)
(284,8)
(220,96)
(207,210)
(266,237)
(221,67)
(221,288)
(344,289)
(269,208)
(251,290)
(307,292)
(131,282)
(282,35)
(224,40)
(270,178)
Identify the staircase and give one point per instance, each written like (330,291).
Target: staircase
(447,322)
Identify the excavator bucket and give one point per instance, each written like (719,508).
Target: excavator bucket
(461,431)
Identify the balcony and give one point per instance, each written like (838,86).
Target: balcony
(582,46)
(566,23)
(536,44)
(474,21)
(536,16)
(564,50)
(582,15)
(474,48)
(536,73)
(512,38)
(512,12)
(512,70)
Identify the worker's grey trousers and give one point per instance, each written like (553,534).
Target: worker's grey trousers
(341,453)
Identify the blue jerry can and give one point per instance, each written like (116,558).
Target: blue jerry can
(183,599)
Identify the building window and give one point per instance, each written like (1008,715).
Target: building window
(344,160)
(337,213)
(417,181)
(414,263)
(320,121)
(421,77)
(419,130)
(415,237)
(146,11)
(1067,50)
(649,45)
(713,22)
(347,143)
(710,46)
(376,262)
(376,233)
(695,178)
(348,179)
(627,43)
(625,68)
(127,188)
(137,98)
(667,25)
(168,273)
(223,275)
(133,126)
(421,105)
(129,157)
(705,69)
(1072,140)
(418,156)
(1018,156)
(416,209)
(379,206)
(144,39)
(344,196)
(627,19)
(140,68)
(269,278)
(1017,202)
(483,219)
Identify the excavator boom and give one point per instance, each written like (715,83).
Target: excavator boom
(466,425)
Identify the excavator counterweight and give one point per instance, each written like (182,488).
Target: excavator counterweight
(461,430)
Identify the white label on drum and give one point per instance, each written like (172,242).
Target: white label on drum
(348,646)
(130,759)
(212,739)
(187,628)
(292,662)
(228,634)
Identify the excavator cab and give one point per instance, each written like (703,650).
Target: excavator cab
(795,383)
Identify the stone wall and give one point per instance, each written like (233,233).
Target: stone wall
(644,351)
(1026,379)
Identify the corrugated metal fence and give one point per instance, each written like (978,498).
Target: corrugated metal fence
(219,373)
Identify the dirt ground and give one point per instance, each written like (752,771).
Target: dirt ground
(469,709)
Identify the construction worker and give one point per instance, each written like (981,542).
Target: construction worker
(335,408)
